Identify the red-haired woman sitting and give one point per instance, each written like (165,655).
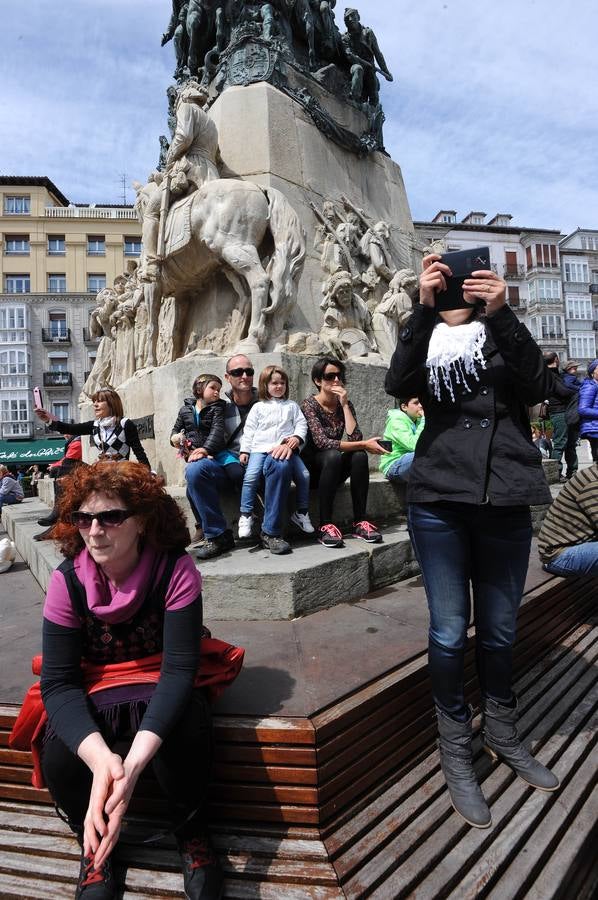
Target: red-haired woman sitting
(126,592)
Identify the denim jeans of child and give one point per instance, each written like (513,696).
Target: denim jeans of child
(399,469)
(466,549)
(277,480)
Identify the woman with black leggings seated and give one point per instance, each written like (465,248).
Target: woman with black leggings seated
(330,459)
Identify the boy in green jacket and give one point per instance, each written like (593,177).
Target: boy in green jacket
(403,428)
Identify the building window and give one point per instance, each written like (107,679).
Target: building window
(15,417)
(513,296)
(96,283)
(12,325)
(589,243)
(17,284)
(57,284)
(582,345)
(58,327)
(447,217)
(576,271)
(16,244)
(60,409)
(552,328)
(96,245)
(132,246)
(58,362)
(544,289)
(13,362)
(17,206)
(56,245)
(579,308)
(546,255)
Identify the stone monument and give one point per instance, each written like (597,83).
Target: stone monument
(275,222)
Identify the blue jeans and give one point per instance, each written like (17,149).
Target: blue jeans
(399,469)
(277,480)
(459,545)
(206,480)
(9,499)
(580,559)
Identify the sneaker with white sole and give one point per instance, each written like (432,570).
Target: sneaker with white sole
(302,521)
(245,526)
(365,531)
(330,536)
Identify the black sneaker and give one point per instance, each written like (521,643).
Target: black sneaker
(44,535)
(212,547)
(366,532)
(94,885)
(330,536)
(50,519)
(203,877)
(274,544)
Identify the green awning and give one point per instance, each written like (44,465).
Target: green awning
(16,452)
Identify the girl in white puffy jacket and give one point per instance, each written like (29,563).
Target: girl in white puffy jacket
(273,421)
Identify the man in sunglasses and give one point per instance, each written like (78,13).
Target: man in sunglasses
(208,479)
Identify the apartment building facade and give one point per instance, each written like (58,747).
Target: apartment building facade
(55,258)
(552,280)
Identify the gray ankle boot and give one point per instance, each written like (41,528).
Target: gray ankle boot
(456,759)
(500,739)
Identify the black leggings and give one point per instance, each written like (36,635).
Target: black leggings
(182,768)
(331,468)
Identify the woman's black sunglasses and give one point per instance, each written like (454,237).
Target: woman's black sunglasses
(236,373)
(108,518)
(330,376)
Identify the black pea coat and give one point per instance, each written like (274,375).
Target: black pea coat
(210,433)
(478,448)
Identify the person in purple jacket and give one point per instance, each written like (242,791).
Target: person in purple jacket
(588,408)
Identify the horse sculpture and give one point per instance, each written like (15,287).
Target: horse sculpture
(228,220)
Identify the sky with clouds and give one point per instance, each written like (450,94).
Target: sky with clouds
(494,105)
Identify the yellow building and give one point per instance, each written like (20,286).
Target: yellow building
(56,256)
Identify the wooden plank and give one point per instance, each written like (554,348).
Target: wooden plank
(271,730)
(278,775)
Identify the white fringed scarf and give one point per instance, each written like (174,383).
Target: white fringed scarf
(453,354)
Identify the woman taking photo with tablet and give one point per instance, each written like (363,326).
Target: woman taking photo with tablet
(473,478)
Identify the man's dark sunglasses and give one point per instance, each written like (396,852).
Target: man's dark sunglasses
(109,518)
(236,373)
(330,376)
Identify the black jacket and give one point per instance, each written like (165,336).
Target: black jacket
(479,447)
(560,395)
(210,432)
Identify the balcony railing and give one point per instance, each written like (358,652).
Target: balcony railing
(515,271)
(86,375)
(548,267)
(594,289)
(56,336)
(88,212)
(58,379)
(88,338)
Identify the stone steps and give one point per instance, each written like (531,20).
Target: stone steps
(251,583)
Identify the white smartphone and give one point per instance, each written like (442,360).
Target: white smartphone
(37,398)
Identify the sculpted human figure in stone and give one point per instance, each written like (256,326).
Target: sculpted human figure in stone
(100,326)
(362,51)
(177,32)
(394,310)
(201,32)
(190,163)
(347,328)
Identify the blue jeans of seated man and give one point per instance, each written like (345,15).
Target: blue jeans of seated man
(399,469)
(277,478)
(580,559)
(206,481)
(9,499)
(458,546)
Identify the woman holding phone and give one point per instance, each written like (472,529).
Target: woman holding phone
(473,478)
(114,435)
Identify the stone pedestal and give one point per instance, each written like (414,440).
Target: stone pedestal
(267,138)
